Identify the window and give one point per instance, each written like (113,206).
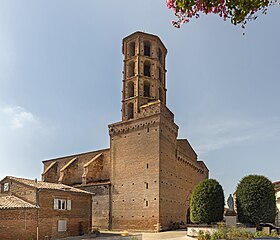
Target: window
(147,186)
(131,69)
(147,203)
(130,111)
(147,89)
(62,204)
(6,187)
(62,226)
(147,69)
(147,49)
(130,89)
(131,50)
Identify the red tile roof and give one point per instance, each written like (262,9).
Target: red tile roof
(12,202)
(47,185)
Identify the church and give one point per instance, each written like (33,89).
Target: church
(143,181)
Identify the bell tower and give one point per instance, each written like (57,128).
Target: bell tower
(152,172)
(143,73)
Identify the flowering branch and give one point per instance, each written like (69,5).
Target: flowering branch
(238,11)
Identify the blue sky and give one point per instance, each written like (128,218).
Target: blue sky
(61,73)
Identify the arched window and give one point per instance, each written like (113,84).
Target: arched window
(147,49)
(159,74)
(130,111)
(159,55)
(147,69)
(131,69)
(130,89)
(147,87)
(160,92)
(131,49)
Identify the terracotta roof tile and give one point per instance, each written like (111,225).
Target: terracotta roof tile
(47,185)
(12,202)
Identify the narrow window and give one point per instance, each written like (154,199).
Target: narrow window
(147,165)
(147,69)
(131,69)
(130,112)
(63,204)
(130,89)
(147,186)
(131,49)
(6,187)
(147,203)
(147,49)
(146,89)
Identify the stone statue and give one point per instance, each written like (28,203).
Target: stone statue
(230,203)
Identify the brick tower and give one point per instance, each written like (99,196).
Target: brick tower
(144,73)
(152,173)
(144,180)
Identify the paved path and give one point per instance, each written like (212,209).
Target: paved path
(168,235)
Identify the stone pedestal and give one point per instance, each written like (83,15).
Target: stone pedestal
(231,218)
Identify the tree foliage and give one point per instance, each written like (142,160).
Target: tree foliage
(238,11)
(255,200)
(207,202)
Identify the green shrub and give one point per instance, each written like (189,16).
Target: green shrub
(207,202)
(231,233)
(255,200)
(203,235)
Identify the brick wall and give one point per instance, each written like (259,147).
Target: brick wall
(100,204)
(75,171)
(179,173)
(24,192)
(80,213)
(135,174)
(18,224)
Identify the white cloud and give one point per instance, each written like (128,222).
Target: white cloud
(220,142)
(16,117)
(24,140)
(212,136)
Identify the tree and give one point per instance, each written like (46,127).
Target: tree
(238,11)
(207,202)
(255,200)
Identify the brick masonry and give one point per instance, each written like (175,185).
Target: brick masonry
(22,223)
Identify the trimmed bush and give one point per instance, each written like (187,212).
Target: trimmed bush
(207,202)
(255,200)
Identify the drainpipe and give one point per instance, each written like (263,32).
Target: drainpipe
(37,206)
(110,206)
